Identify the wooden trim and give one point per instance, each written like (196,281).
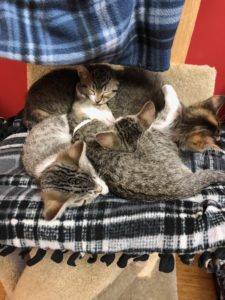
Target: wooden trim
(184,31)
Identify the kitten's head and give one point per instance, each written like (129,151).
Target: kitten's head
(126,131)
(97,85)
(197,128)
(69,178)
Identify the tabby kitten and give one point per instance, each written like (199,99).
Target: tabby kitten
(124,90)
(154,171)
(65,175)
(44,142)
(56,92)
(70,181)
(93,91)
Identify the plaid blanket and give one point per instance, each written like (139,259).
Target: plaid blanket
(111,224)
(129,32)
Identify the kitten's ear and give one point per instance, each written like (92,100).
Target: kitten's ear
(75,150)
(53,201)
(147,114)
(107,140)
(84,74)
(213,103)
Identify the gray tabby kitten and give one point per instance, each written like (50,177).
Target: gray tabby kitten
(65,175)
(142,164)
(44,142)
(70,181)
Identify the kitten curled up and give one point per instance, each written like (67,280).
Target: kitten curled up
(138,159)
(79,91)
(63,172)
(113,90)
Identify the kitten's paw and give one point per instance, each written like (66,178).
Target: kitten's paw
(168,89)
(171,97)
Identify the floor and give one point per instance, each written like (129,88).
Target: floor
(2,293)
(191,280)
(195,283)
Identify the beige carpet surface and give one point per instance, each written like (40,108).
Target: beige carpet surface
(51,281)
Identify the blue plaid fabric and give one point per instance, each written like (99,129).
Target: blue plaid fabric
(129,32)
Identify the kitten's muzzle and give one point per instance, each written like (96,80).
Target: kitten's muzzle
(98,189)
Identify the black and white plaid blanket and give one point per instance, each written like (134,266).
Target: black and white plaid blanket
(110,224)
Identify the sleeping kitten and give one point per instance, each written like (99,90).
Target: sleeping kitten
(197,127)
(65,175)
(124,90)
(93,91)
(154,171)
(70,181)
(44,142)
(56,92)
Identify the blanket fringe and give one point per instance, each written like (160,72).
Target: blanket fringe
(72,259)
(57,256)
(108,259)
(123,260)
(92,259)
(24,252)
(38,257)
(166,263)
(187,259)
(7,250)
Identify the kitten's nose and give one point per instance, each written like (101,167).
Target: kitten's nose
(98,100)
(98,189)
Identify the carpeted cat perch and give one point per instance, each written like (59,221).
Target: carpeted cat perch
(114,232)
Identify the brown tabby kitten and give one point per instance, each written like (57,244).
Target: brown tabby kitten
(69,181)
(56,92)
(154,171)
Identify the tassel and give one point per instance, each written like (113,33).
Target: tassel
(37,257)
(71,260)
(123,260)
(108,259)
(7,250)
(219,254)
(187,259)
(92,259)
(57,256)
(203,258)
(143,257)
(166,263)
(24,252)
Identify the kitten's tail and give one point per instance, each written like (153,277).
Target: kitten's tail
(194,183)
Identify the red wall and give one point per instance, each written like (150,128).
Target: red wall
(13,85)
(208,40)
(207,47)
